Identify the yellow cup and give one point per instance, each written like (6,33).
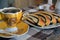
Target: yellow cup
(11,19)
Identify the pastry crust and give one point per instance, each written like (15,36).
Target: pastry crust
(47,21)
(40,20)
(52,18)
(43,18)
(57,17)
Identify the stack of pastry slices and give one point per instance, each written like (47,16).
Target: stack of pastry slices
(42,18)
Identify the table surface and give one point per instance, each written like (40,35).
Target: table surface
(37,34)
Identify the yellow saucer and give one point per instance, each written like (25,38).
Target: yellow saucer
(22,29)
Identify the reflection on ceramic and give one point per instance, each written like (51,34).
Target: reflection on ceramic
(32,10)
(1,30)
(7,8)
(10,8)
(1,10)
(41,7)
(11,29)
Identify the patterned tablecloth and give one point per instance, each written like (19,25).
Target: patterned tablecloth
(37,34)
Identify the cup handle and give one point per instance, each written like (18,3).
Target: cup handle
(1,16)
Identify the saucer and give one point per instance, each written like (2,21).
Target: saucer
(22,29)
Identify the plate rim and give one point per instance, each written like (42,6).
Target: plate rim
(42,27)
(16,35)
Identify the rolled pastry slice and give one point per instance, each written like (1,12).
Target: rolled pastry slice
(43,18)
(57,16)
(47,21)
(28,19)
(40,21)
(52,18)
(35,19)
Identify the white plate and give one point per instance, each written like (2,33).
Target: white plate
(45,27)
